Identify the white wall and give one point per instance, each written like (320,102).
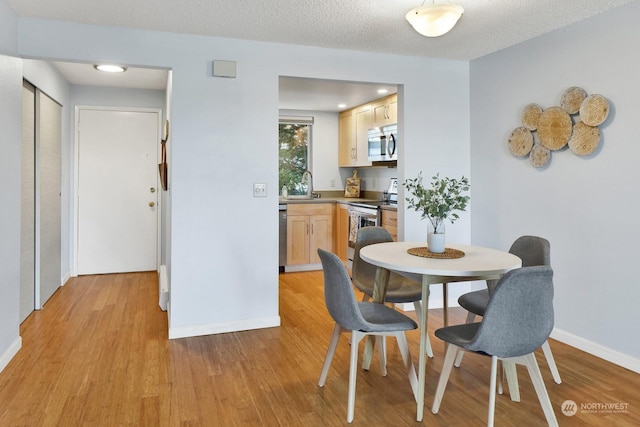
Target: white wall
(10,176)
(586,206)
(10,162)
(8,29)
(223,241)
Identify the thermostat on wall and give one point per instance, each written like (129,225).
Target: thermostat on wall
(224,69)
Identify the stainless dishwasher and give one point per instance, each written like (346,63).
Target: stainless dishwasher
(282,223)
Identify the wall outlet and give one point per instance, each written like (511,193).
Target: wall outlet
(332,183)
(259,190)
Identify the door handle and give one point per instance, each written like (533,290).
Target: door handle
(151,204)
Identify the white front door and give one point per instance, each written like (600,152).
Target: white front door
(117,190)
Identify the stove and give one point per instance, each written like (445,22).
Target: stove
(367,213)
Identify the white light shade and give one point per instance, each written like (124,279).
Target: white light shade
(110,68)
(434,20)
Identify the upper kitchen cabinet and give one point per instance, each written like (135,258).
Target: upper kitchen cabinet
(354,128)
(385,111)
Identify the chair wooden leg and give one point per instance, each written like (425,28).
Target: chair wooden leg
(408,363)
(353,372)
(538,383)
(381,342)
(551,362)
(512,379)
(500,378)
(492,391)
(449,357)
(470,318)
(418,307)
(333,343)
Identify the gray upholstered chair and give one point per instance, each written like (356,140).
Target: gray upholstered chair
(532,250)
(400,289)
(361,319)
(518,320)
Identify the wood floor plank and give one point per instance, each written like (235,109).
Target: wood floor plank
(98,354)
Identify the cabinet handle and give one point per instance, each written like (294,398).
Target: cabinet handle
(311,228)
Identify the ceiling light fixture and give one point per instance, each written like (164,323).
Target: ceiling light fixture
(435,19)
(109,68)
(342,105)
(382,91)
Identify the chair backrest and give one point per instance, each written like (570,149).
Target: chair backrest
(338,293)
(362,272)
(532,250)
(519,316)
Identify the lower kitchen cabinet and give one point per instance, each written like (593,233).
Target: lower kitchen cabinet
(390,222)
(309,227)
(341,238)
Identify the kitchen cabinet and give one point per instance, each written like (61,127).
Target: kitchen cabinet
(309,227)
(353,137)
(390,222)
(341,237)
(385,111)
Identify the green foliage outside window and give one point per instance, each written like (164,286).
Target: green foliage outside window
(293,153)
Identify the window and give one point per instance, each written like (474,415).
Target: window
(294,153)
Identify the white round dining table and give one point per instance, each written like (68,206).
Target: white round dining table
(478,263)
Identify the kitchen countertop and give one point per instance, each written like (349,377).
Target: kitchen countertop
(342,200)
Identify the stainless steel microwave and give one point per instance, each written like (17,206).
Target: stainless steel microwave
(383,143)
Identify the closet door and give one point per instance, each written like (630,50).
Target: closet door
(27,224)
(48,177)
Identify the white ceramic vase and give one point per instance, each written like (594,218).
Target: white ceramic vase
(435,236)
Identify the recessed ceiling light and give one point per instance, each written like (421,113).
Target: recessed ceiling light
(109,68)
(342,105)
(382,91)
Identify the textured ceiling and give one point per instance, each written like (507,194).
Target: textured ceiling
(366,25)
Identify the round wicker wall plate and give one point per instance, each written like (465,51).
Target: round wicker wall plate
(423,251)
(554,128)
(572,99)
(531,116)
(539,156)
(520,142)
(585,139)
(594,110)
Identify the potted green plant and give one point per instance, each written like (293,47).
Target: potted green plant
(439,202)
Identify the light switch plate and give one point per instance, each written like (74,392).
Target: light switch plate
(259,190)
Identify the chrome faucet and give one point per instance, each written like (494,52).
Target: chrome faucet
(309,178)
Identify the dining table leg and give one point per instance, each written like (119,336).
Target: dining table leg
(423,346)
(445,304)
(379,295)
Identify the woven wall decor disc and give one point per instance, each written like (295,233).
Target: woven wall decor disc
(594,110)
(585,139)
(520,142)
(554,128)
(539,156)
(572,99)
(531,116)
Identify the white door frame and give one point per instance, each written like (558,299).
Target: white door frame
(76,165)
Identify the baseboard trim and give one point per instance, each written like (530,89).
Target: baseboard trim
(10,353)
(221,328)
(597,350)
(163,287)
(303,267)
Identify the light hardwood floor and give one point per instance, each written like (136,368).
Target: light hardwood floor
(98,355)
